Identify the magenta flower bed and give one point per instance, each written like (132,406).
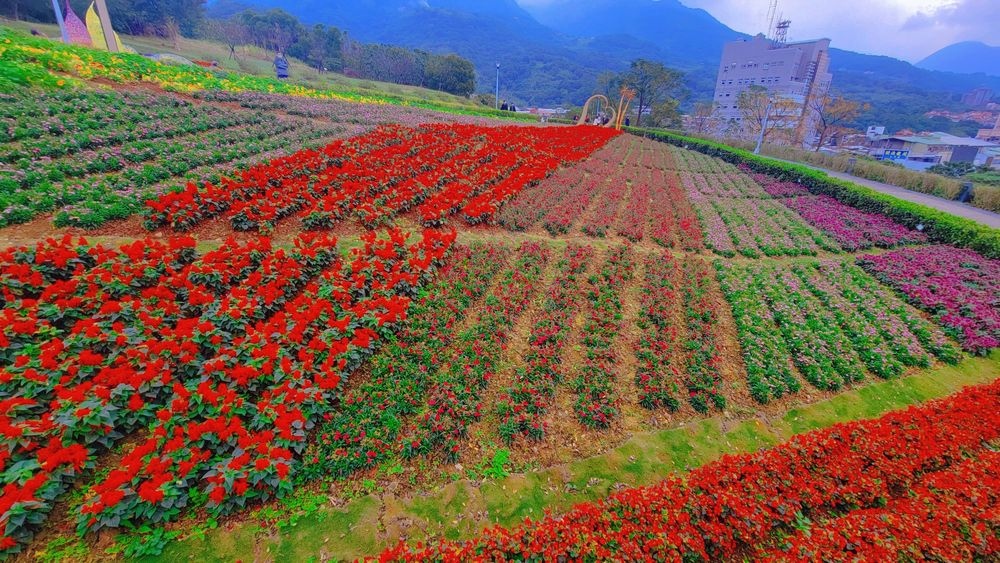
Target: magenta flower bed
(774,186)
(852,228)
(959,286)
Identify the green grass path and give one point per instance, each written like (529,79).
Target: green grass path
(462,508)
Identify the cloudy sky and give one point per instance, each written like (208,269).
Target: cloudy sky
(906,29)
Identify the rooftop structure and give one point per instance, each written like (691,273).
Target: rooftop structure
(932,148)
(991,135)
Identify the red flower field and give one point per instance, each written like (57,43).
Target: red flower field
(433,318)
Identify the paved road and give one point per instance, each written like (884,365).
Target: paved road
(955,208)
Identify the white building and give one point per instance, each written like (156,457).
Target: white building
(796,72)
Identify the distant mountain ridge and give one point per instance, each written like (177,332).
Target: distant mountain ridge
(552,55)
(965,57)
(689,34)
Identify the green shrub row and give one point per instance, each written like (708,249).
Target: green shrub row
(940,226)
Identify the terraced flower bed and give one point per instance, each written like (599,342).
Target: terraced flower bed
(80,156)
(437,169)
(959,287)
(829,320)
(497,300)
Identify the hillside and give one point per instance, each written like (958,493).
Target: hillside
(552,55)
(966,57)
(257,62)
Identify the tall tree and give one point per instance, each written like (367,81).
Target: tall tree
(832,113)
(274,30)
(653,84)
(452,74)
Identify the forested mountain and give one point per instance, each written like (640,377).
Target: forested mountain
(553,55)
(687,35)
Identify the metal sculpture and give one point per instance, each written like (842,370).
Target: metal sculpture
(628,95)
(586,109)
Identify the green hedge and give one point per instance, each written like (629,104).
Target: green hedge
(939,226)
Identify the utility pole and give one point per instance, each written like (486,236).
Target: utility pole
(109,32)
(496,101)
(763,127)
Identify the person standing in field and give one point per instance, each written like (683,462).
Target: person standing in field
(281,66)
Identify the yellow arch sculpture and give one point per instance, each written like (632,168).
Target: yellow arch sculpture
(586,110)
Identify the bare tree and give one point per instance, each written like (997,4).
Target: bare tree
(281,38)
(172,31)
(703,118)
(762,111)
(231,32)
(832,113)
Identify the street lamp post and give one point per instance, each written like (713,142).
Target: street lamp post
(763,127)
(496,101)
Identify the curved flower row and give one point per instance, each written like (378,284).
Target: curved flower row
(679,343)
(627,188)
(522,406)
(774,187)
(674,218)
(702,377)
(730,184)
(949,516)
(454,396)
(658,351)
(755,227)
(528,207)
(731,506)
(367,427)
(91,165)
(597,403)
(852,228)
(830,320)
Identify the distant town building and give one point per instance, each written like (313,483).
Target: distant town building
(921,151)
(977,97)
(992,135)
(796,72)
(875,131)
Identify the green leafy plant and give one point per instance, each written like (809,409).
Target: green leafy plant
(498,467)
